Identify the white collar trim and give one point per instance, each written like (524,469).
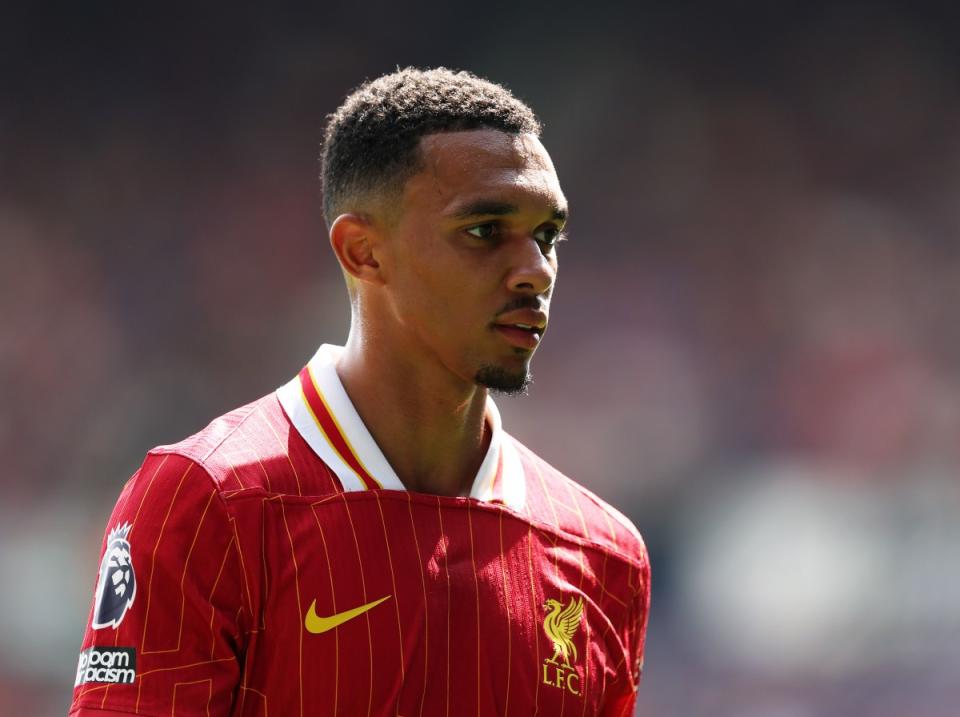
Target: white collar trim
(501,455)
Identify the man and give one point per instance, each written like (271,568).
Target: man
(368,540)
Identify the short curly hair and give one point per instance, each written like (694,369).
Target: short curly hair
(372,140)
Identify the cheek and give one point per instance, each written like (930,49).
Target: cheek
(442,296)
(426,288)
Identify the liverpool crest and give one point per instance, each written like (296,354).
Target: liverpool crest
(117,584)
(561,625)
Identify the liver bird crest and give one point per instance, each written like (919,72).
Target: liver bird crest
(560,625)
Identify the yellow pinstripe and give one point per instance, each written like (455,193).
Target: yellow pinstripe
(613,539)
(283,448)
(296,578)
(183,596)
(216,582)
(506,594)
(446,569)
(246,689)
(393,581)
(333,600)
(153,560)
(476,588)
(426,607)
(586,623)
(173,711)
(263,558)
(141,676)
(535,611)
(237,477)
(256,455)
(363,584)
(243,566)
(126,499)
(556,564)
(556,517)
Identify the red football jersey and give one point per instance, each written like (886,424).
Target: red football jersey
(274,564)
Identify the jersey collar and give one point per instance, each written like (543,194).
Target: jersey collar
(323,414)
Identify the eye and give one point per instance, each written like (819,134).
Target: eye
(483,231)
(549,235)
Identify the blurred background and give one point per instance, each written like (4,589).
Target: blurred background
(753,349)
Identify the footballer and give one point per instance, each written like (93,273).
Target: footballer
(368,539)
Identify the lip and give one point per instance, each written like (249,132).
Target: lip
(530,317)
(528,339)
(521,338)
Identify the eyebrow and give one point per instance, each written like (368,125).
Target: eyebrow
(488,208)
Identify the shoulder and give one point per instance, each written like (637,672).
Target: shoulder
(168,488)
(251,449)
(555,498)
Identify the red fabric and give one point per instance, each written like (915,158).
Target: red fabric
(239,529)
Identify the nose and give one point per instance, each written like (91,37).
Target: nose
(532,272)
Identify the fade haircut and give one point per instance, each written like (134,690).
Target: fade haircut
(372,141)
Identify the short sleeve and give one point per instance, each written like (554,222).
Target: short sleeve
(164,635)
(638,636)
(634,636)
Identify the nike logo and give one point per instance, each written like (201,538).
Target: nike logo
(316,624)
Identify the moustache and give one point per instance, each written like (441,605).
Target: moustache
(524,302)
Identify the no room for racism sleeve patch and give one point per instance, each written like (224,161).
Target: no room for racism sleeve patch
(107,664)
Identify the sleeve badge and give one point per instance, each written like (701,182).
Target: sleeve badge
(117,584)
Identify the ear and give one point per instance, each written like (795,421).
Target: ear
(354,239)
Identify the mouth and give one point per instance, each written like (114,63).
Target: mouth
(522,328)
(521,336)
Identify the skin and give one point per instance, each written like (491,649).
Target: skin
(471,236)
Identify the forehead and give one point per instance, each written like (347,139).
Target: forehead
(462,168)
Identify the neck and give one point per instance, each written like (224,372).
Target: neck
(429,425)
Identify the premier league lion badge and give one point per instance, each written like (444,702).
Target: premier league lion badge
(117,585)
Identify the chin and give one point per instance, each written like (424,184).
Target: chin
(510,381)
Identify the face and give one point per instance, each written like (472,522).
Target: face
(470,260)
